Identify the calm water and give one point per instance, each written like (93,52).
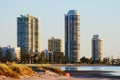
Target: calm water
(115,69)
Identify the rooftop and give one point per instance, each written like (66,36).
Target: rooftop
(73,12)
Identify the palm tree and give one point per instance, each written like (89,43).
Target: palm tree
(1,55)
(8,55)
(25,58)
(42,58)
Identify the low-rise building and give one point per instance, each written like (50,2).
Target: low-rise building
(17,53)
(12,53)
(48,55)
(55,45)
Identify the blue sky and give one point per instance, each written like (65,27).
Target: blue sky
(97,17)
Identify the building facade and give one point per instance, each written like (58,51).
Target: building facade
(53,57)
(72,36)
(55,45)
(28,34)
(97,48)
(47,55)
(17,54)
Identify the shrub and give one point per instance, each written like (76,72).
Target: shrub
(15,70)
(21,70)
(6,71)
(56,70)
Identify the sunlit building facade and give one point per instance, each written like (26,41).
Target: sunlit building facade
(72,36)
(97,48)
(55,45)
(28,33)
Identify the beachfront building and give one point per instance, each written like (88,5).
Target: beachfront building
(53,57)
(11,54)
(72,36)
(17,54)
(48,56)
(28,34)
(97,48)
(55,45)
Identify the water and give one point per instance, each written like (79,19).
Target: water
(114,70)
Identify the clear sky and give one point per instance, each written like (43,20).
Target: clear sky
(97,17)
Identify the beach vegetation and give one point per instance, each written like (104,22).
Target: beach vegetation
(15,70)
(56,70)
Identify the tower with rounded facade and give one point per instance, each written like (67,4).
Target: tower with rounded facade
(72,36)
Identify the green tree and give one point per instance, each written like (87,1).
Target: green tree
(106,60)
(16,60)
(25,57)
(85,60)
(8,55)
(63,61)
(35,58)
(42,58)
(66,59)
(58,57)
(1,56)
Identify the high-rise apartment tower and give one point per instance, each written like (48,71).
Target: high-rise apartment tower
(72,36)
(97,48)
(28,33)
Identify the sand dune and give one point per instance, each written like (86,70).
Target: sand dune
(51,76)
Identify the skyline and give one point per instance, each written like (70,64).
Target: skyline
(97,17)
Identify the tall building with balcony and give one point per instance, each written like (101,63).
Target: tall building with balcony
(28,34)
(97,48)
(55,45)
(72,36)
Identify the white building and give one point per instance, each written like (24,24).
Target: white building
(28,34)
(17,53)
(72,36)
(97,48)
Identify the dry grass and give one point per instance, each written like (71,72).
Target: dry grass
(15,70)
(38,68)
(21,70)
(6,71)
(56,70)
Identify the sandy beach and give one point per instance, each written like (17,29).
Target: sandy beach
(48,75)
(35,72)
